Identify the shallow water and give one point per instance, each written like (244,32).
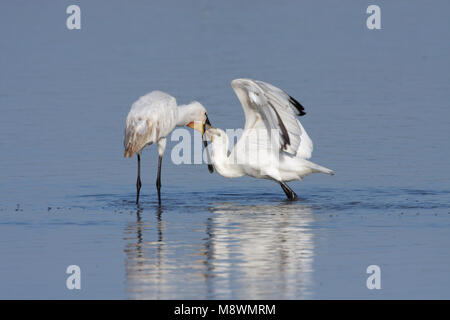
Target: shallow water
(377,106)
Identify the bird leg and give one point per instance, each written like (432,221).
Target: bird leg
(138,182)
(291,195)
(158,180)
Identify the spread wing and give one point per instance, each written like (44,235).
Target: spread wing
(266,106)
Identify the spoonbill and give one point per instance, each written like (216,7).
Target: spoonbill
(151,119)
(279,141)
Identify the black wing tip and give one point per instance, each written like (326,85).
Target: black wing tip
(298,106)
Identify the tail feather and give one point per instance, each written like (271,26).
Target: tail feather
(137,136)
(129,145)
(317,168)
(128,153)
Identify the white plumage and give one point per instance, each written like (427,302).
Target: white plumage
(274,144)
(151,119)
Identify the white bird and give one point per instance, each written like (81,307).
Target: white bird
(274,145)
(151,119)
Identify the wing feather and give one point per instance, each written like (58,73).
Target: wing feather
(277,110)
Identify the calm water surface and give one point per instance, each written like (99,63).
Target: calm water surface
(377,106)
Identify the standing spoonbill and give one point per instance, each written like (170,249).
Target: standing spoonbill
(151,119)
(279,141)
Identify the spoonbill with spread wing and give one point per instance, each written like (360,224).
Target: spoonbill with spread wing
(274,145)
(151,119)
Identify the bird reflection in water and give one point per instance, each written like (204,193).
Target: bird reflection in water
(234,251)
(143,266)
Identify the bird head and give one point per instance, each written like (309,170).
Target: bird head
(216,135)
(198,117)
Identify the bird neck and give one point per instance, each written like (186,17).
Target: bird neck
(186,114)
(224,164)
